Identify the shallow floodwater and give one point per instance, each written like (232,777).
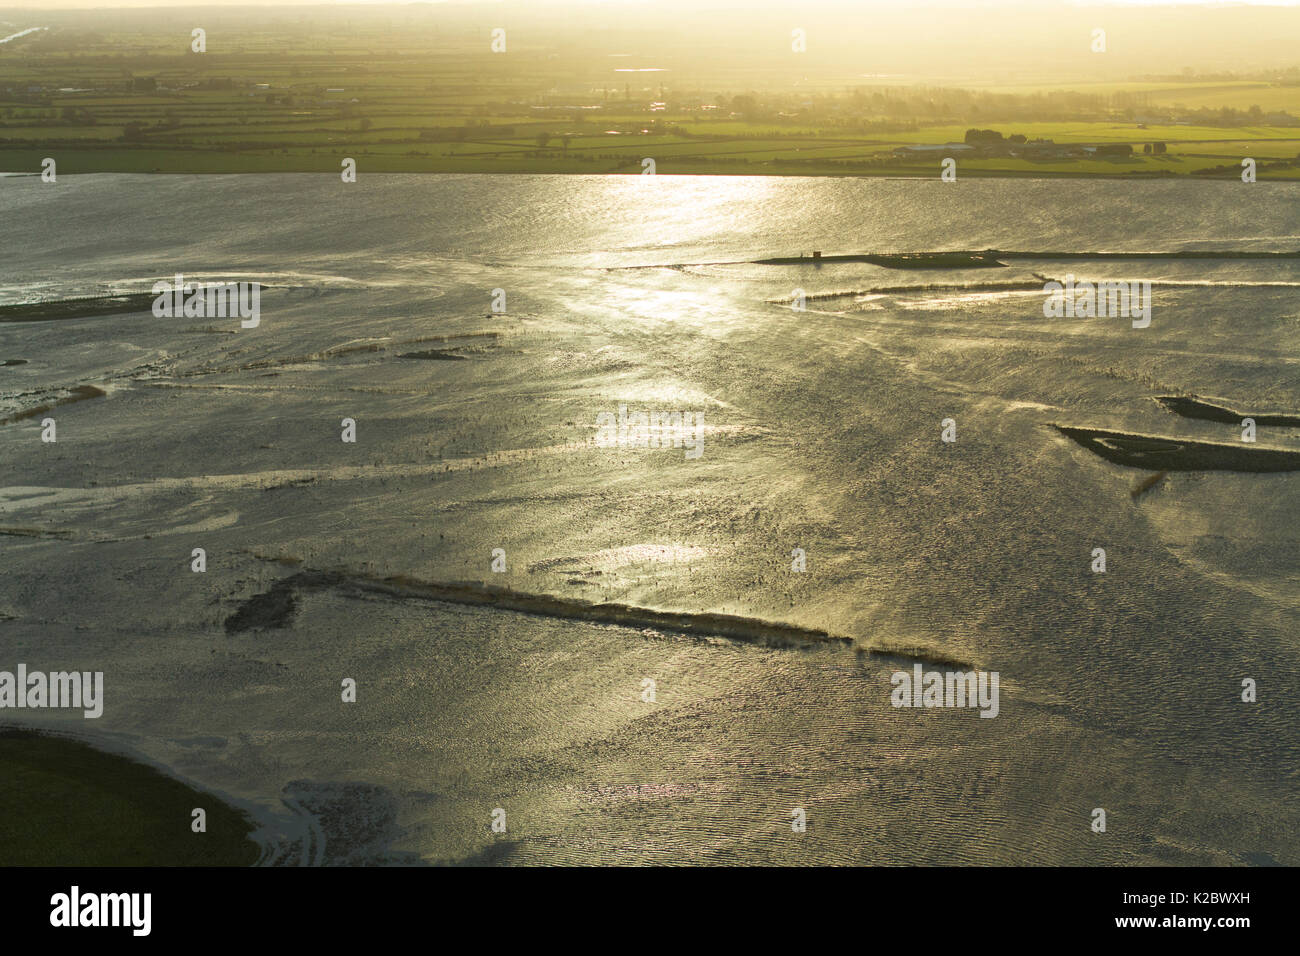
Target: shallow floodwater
(821,431)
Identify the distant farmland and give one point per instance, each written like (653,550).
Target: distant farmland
(289,100)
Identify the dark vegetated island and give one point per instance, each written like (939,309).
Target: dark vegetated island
(77,308)
(991,258)
(1158,453)
(904,260)
(1209,412)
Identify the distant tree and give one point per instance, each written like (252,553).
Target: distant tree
(542,139)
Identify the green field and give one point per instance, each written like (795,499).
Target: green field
(279,96)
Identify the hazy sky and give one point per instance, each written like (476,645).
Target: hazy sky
(942,41)
(794,7)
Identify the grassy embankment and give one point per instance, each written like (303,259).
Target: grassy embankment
(64,803)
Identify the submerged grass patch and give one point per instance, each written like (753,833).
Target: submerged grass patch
(78,394)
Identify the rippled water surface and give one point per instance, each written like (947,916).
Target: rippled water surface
(820,431)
